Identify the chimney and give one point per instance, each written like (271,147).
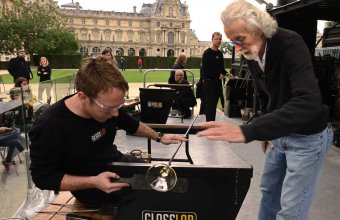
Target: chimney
(77,6)
(134,9)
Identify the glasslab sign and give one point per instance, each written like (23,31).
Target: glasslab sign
(168,215)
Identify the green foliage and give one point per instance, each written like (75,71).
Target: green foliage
(56,41)
(226,47)
(33,27)
(330,23)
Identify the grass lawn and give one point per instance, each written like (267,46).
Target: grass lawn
(131,75)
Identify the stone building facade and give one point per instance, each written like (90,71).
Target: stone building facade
(158,29)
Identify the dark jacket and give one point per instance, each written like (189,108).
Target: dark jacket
(177,66)
(19,68)
(288,91)
(40,72)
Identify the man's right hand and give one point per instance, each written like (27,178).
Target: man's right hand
(104,182)
(4,130)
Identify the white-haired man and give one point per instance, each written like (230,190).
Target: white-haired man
(294,124)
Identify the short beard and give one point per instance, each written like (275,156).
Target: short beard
(252,55)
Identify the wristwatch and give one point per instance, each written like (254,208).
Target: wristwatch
(160,135)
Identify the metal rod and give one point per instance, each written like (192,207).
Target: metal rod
(186,134)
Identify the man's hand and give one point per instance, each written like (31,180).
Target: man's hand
(172,139)
(4,130)
(104,182)
(265,145)
(222,131)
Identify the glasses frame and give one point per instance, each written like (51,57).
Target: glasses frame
(238,42)
(107,109)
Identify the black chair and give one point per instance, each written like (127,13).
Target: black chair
(155,104)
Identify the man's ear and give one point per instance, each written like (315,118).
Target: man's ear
(83,97)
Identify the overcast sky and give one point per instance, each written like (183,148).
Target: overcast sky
(204,14)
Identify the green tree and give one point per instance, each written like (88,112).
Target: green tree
(28,25)
(56,41)
(226,47)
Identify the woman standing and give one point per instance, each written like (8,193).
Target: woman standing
(44,72)
(108,55)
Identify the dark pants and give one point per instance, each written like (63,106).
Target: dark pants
(212,92)
(184,105)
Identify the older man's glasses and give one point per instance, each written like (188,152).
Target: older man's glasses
(107,109)
(237,42)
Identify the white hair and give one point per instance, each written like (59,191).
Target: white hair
(255,18)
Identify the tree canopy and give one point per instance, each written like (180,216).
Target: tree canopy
(36,28)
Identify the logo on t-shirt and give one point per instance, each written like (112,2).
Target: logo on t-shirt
(98,135)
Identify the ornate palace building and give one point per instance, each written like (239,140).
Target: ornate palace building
(158,29)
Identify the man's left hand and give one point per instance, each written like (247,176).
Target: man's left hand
(172,139)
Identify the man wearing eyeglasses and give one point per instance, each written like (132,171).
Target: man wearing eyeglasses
(72,141)
(213,72)
(293,130)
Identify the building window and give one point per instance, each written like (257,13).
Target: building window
(130,23)
(83,21)
(131,52)
(170,24)
(130,36)
(183,25)
(96,50)
(107,22)
(183,38)
(141,36)
(119,51)
(83,34)
(158,24)
(171,38)
(95,21)
(107,35)
(84,50)
(171,12)
(158,37)
(142,52)
(71,20)
(95,34)
(119,23)
(119,36)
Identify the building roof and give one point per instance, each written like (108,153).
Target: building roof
(71,5)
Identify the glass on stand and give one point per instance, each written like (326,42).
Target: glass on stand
(161,177)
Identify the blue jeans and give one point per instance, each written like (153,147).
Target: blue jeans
(291,174)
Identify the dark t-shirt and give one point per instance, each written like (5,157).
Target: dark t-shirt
(65,143)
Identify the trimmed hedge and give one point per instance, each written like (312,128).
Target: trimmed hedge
(60,61)
(164,62)
(73,62)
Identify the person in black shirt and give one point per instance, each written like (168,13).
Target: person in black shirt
(185,97)
(18,67)
(213,72)
(293,128)
(44,72)
(72,141)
